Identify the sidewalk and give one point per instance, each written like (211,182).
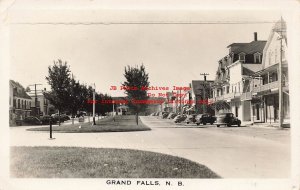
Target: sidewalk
(265,125)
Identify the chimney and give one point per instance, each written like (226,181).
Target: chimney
(255,36)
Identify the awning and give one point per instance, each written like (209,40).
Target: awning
(219,105)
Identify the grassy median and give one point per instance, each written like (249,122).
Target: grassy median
(120,123)
(74,162)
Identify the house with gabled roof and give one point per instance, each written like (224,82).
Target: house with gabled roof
(265,93)
(19,102)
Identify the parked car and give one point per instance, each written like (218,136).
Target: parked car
(160,114)
(205,118)
(179,118)
(65,117)
(46,119)
(190,119)
(31,121)
(227,119)
(82,113)
(62,117)
(165,115)
(171,115)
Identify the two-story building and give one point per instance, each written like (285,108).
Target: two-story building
(43,105)
(19,102)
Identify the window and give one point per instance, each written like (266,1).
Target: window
(242,57)
(227,89)
(257,58)
(18,103)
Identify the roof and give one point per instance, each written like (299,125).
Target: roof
(249,69)
(236,44)
(197,85)
(268,69)
(119,98)
(249,48)
(20,92)
(279,28)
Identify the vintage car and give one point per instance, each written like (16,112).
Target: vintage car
(165,115)
(205,118)
(227,119)
(179,118)
(190,119)
(171,115)
(31,121)
(47,118)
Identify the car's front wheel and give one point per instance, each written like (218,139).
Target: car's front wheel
(218,125)
(229,125)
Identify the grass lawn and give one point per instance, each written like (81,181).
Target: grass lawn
(73,162)
(121,124)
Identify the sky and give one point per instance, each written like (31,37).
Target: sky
(98,45)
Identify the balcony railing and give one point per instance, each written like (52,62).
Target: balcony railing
(265,87)
(231,95)
(218,98)
(246,96)
(228,96)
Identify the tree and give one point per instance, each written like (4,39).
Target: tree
(88,94)
(136,77)
(59,80)
(77,97)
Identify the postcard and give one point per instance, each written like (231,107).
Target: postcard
(103,95)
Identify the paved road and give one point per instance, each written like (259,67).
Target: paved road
(246,152)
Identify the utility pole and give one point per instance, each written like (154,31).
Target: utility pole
(113,103)
(280,79)
(94,102)
(36,113)
(180,102)
(204,92)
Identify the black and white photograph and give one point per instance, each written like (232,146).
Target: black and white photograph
(114,96)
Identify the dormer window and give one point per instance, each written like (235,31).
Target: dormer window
(257,58)
(242,57)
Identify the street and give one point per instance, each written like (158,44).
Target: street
(245,152)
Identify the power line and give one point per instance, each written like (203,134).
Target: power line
(142,22)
